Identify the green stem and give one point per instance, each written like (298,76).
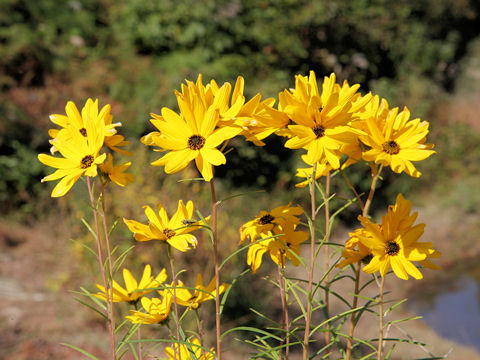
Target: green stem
(175,304)
(327,253)
(283,298)
(380,324)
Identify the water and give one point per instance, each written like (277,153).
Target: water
(452,309)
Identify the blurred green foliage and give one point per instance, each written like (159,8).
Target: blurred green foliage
(134,53)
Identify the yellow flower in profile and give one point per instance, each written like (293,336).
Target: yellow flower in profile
(157,310)
(322,120)
(396,141)
(355,251)
(200,295)
(116,173)
(192,350)
(81,156)
(267,220)
(194,134)
(394,244)
(133,290)
(175,231)
(286,244)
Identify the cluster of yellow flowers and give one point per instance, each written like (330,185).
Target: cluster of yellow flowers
(336,125)
(80,140)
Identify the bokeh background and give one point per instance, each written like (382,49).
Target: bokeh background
(132,54)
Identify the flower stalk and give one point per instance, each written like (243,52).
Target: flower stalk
(285,320)
(175,303)
(327,252)
(217,270)
(380,323)
(306,338)
(108,292)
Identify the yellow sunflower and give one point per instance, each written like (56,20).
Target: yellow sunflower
(267,220)
(133,290)
(116,173)
(157,310)
(175,231)
(200,295)
(184,351)
(394,244)
(322,120)
(80,155)
(394,140)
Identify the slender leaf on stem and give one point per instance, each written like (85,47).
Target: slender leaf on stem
(84,352)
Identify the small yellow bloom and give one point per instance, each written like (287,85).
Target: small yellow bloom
(201,294)
(355,251)
(393,140)
(322,170)
(196,132)
(90,113)
(267,220)
(394,244)
(184,351)
(133,289)
(116,173)
(81,156)
(285,245)
(175,231)
(322,120)
(157,310)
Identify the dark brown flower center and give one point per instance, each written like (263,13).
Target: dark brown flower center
(319,131)
(266,219)
(196,142)
(366,259)
(391,147)
(169,233)
(86,162)
(392,248)
(83,131)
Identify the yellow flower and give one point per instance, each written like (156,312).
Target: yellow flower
(355,251)
(81,155)
(285,245)
(184,351)
(194,134)
(322,120)
(322,170)
(267,220)
(175,231)
(394,243)
(133,290)
(394,140)
(79,121)
(201,294)
(157,310)
(116,173)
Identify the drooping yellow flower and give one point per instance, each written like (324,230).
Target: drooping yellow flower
(194,134)
(322,120)
(393,140)
(116,173)
(394,244)
(133,290)
(175,231)
(184,351)
(157,310)
(200,295)
(267,220)
(80,155)
(286,244)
